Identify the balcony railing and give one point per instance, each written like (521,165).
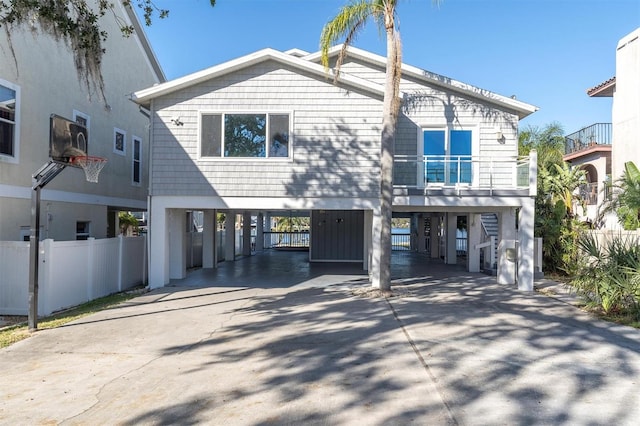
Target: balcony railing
(431,171)
(596,134)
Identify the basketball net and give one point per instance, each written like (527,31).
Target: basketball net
(91,166)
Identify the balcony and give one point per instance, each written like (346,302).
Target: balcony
(591,136)
(464,172)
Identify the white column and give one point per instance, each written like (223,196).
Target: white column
(422,240)
(474,235)
(177,244)
(452,222)
(506,246)
(376,247)
(209,239)
(260,232)
(246,233)
(230,236)
(368,228)
(435,237)
(158,246)
(413,232)
(526,254)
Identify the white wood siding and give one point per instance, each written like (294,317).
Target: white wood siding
(335,138)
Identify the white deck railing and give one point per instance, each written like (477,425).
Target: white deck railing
(432,171)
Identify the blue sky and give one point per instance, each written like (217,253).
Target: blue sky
(546,52)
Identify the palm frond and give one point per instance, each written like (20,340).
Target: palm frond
(346,25)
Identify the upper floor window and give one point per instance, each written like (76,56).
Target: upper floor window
(136,160)
(245,135)
(447,156)
(81,118)
(119,141)
(9,105)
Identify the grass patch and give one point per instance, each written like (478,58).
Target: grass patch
(12,334)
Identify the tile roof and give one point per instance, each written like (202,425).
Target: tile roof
(603,89)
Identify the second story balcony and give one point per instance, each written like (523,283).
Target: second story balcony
(432,172)
(592,136)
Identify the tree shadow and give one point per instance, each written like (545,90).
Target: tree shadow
(498,356)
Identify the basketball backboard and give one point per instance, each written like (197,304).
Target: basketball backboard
(67,139)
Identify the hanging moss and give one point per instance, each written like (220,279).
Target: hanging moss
(75,22)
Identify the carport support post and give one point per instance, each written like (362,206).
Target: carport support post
(209,239)
(474,234)
(452,227)
(526,254)
(178,244)
(246,233)
(507,232)
(422,241)
(230,236)
(434,244)
(260,232)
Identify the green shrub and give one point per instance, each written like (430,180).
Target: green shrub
(608,275)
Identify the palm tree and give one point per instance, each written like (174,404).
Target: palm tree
(548,141)
(625,201)
(345,26)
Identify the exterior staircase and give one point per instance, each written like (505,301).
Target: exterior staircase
(490,226)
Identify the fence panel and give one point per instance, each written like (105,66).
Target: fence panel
(70,272)
(14,268)
(63,274)
(103,278)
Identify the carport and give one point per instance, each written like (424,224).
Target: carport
(285,269)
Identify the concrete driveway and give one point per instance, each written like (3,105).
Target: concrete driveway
(453,348)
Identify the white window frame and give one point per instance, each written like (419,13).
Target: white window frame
(86,117)
(475,146)
(222,113)
(135,139)
(123,151)
(15,158)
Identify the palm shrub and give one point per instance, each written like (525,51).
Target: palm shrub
(608,276)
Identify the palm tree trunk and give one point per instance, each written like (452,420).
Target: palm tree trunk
(391,108)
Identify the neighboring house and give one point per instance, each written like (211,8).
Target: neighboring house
(38,78)
(271,132)
(603,148)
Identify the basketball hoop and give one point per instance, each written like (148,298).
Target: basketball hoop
(91,165)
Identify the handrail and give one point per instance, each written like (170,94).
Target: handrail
(462,171)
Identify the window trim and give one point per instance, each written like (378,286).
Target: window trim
(135,139)
(475,146)
(122,152)
(222,114)
(15,158)
(86,117)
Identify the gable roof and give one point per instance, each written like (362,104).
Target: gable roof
(523,109)
(143,97)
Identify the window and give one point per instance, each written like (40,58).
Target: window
(83,230)
(136,160)
(81,118)
(448,156)
(119,141)
(9,128)
(245,135)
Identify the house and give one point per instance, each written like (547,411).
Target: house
(38,78)
(602,149)
(271,132)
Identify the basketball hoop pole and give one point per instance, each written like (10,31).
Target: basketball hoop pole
(43,176)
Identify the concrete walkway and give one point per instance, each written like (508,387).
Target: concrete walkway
(453,348)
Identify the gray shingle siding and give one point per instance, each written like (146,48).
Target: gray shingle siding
(335,138)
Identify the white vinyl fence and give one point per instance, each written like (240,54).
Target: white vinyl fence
(70,272)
